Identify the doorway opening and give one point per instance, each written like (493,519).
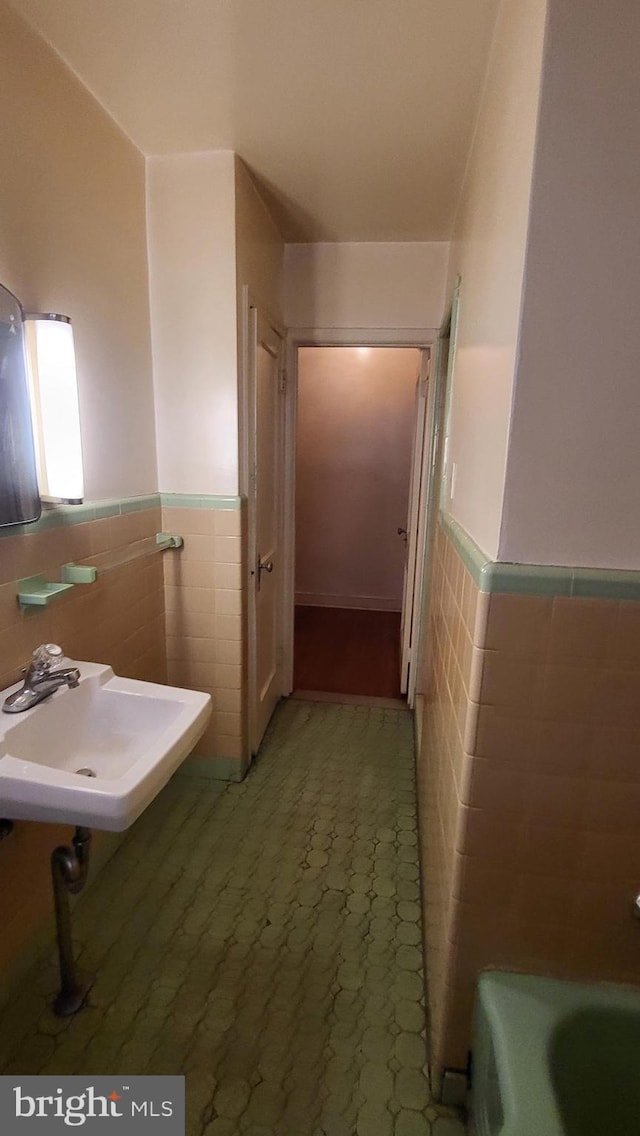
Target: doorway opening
(359,433)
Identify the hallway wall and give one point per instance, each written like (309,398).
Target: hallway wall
(573,476)
(365,285)
(488,251)
(210,234)
(356,414)
(192,287)
(259,246)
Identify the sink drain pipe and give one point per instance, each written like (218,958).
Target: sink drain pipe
(69,871)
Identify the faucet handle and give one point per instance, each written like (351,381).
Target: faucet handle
(47,654)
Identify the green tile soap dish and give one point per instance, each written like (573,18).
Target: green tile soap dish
(168,540)
(79,574)
(34,591)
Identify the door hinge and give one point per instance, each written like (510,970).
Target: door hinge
(283,380)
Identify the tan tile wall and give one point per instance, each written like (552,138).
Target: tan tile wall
(203,587)
(551,856)
(531,825)
(118,620)
(456,624)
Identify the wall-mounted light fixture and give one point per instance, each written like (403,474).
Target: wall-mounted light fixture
(54,406)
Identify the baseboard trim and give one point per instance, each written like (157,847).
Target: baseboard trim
(348,699)
(418,715)
(357,603)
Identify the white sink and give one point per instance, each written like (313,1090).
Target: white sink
(127,736)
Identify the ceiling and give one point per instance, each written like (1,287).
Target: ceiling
(355,116)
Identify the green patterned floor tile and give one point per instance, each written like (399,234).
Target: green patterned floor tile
(264,939)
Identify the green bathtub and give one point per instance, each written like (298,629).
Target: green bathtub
(555,1058)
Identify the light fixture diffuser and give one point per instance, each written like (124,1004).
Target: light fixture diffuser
(54,406)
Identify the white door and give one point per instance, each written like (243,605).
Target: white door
(265,523)
(415,488)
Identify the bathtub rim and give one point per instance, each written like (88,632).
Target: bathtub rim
(521,1011)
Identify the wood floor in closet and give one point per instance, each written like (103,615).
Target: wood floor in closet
(347,651)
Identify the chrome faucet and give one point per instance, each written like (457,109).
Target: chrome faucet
(43,675)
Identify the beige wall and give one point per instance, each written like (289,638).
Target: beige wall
(573,477)
(365,285)
(356,416)
(488,251)
(192,284)
(73,240)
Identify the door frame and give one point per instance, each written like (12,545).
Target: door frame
(436,455)
(421,337)
(414,524)
(250,310)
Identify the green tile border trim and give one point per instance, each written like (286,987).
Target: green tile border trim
(539,579)
(56,516)
(134,504)
(199,501)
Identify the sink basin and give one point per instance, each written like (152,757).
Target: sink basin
(96,756)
